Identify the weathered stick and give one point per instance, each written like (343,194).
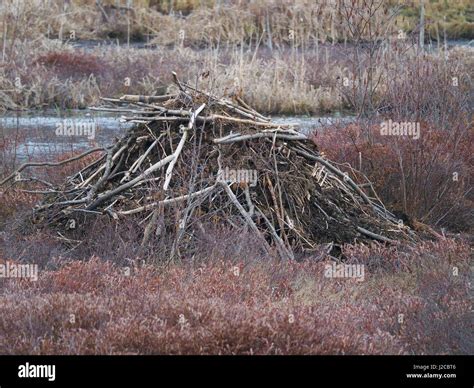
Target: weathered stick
(169,170)
(97,172)
(253,122)
(244,214)
(131,183)
(167,202)
(146,99)
(136,165)
(49,164)
(177,82)
(375,235)
(249,108)
(336,171)
(235,139)
(242,111)
(284,252)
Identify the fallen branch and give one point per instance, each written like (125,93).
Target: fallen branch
(49,164)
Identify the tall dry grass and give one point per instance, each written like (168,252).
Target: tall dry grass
(274,22)
(281,55)
(284,81)
(287,81)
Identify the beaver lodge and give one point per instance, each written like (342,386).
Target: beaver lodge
(194,159)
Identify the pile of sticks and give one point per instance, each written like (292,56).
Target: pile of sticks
(193,159)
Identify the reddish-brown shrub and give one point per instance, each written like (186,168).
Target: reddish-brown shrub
(429,179)
(73,64)
(224,307)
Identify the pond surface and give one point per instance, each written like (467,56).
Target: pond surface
(46,133)
(50,133)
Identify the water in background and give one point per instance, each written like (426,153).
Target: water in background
(32,134)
